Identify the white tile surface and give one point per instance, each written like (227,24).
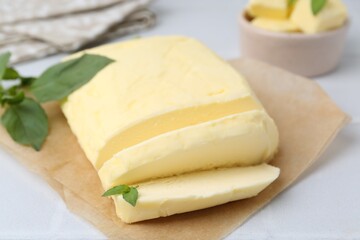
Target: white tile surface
(323,204)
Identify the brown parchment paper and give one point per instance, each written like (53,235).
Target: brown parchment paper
(307,119)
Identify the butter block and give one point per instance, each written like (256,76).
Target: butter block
(156,85)
(275,25)
(241,139)
(273,9)
(199,190)
(333,15)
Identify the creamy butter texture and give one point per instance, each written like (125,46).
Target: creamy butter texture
(195,191)
(280,16)
(275,9)
(333,15)
(169,109)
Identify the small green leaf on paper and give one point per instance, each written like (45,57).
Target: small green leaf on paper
(317,5)
(26,123)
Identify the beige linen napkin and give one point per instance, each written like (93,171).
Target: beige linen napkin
(32,29)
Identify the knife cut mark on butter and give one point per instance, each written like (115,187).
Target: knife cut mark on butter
(235,140)
(173,121)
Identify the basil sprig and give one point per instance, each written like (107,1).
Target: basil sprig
(24,118)
(130,194)
(317,5)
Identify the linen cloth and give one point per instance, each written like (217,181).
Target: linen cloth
(32,29)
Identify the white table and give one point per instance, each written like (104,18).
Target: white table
(323,204)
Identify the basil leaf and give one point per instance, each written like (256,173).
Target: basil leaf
(12,99)
(26,123)
(121,189)
(291,2)
(62,79)
(11,74)
(26,81)
(317,5)
(4,59)
(131,196)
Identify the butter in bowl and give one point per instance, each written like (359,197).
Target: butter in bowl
(306,37)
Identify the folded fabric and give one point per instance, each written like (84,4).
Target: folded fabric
(32,29)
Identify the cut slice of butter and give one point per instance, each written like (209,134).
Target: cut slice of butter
(156,85)
(273,9)
(194,191)
(241,139)
(333,15)
(275,25)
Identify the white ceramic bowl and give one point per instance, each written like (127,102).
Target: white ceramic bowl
(304,54)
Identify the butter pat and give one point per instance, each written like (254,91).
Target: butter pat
(273,9)
(189,192)
(156,85)
(275,25)
(333,15)
(241,139)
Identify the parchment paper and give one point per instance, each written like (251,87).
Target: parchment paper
(307,119)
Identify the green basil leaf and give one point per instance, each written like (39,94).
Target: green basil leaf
(131,196)
(13,99)
(26,123)
(317,5)
(13,90)
(291,2)
(4,60)
(27,81)
(121,189)
(62,79)
(11,74)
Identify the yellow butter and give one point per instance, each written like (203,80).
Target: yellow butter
(189,192)
(333,15)
(275,25)
(164,115)
(241,139)
(155,85)
(273,9)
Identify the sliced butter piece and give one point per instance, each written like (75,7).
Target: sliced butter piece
(242,139)
(275,25)
(274,9)
(155,85)
(194,191)
(333,15)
